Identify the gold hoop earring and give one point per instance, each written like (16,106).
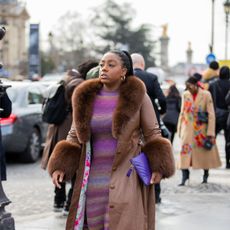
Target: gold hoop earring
(123,78)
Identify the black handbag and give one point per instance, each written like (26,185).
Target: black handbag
(202,117)
(207,144)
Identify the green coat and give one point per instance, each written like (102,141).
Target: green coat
(192,132)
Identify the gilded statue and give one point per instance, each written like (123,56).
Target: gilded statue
(165,30)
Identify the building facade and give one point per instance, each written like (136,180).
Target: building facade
(13,48)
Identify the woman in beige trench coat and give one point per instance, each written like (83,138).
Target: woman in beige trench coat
(111,115)
(194,132)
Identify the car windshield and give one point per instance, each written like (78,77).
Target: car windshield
(53,77)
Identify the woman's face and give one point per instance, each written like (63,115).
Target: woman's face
(111,71)
(191,88)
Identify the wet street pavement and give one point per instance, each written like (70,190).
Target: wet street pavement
(195,206)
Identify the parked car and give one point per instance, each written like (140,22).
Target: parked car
(54,77)
(24,132)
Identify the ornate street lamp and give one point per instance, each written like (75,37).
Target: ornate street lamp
(212,28)
(227,11)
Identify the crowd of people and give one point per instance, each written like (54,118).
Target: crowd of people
(115,111)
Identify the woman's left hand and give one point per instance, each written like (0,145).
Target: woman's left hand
(212,139)
(156,178)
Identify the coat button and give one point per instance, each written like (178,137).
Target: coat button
(118,153)
(111,206)
(112,187)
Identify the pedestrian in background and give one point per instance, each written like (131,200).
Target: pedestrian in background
(152,84)
(227,99)
(5,111)
(57,133)
(219,90)
(155,93)
(173,105)
(111,114)
(196,128)
(210,74)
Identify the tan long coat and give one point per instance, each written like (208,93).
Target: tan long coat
(131,204)
(192,132)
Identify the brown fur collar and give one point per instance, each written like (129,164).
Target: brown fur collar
(131,95)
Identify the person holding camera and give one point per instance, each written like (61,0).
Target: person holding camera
(196,128)
(5,111)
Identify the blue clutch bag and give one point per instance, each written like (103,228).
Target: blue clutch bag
(141,164)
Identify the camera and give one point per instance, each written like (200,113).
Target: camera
(2,32)
(3,88)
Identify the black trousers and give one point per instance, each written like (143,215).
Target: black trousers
(172,129)
(60,193)
(157,191)
(223,126)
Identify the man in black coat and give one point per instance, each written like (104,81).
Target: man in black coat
(5,111)
(219,90)
(152,85)
(155,93)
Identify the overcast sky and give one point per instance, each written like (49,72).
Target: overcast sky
(188,21)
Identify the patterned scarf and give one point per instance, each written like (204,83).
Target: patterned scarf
(79,220)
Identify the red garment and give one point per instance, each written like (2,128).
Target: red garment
(194,96)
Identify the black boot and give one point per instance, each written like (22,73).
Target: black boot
(185,177)
(157,193)
(205,176)
(227,158)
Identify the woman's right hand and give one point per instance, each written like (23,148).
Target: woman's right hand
(57,178)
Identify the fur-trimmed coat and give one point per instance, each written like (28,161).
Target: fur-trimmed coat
(131,204)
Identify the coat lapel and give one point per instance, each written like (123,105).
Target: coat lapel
(131,95)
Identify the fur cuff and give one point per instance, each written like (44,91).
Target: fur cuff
(159,153)
(65,157)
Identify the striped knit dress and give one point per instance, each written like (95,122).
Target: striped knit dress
(104,147)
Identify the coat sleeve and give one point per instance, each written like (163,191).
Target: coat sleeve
(180,116)
(157,148)
(66,156)
(211,115)
(227,98)
(149,124)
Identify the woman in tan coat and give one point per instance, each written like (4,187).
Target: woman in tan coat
(196,132)
(112,115)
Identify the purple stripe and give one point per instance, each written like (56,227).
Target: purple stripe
(104,147)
